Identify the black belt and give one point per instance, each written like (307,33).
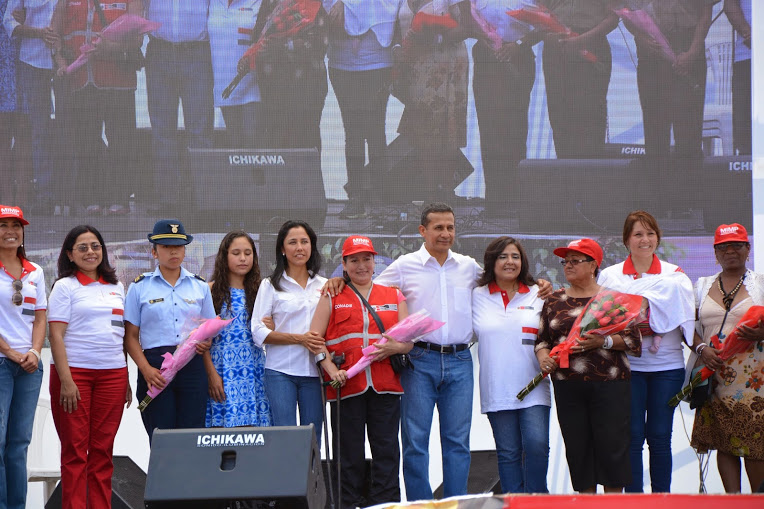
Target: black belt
(178,45)
(442,348)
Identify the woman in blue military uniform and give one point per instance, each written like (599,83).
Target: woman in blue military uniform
(160,310)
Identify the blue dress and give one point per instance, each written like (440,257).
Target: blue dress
(241,364)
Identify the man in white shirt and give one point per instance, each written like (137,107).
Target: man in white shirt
(440,281)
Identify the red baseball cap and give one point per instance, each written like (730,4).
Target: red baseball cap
(357,244)
(8,212)
(583,246)
(730,233)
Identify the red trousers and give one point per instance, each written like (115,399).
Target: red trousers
(87,435)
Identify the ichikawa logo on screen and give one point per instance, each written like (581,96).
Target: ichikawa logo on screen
(256,160)
(229,439)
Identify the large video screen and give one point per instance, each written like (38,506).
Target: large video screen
(546,120)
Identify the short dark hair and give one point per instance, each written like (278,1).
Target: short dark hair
(492,252)
(67,267)
(434,208)
(314,261)
(647,220)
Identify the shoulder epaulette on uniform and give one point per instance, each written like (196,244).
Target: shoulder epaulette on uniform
(139,278)
(200,278)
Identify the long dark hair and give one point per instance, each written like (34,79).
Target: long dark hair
(492,252)
(221,287)
(67,267)
(314,261)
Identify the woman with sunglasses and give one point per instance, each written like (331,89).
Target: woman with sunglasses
(732,420)
(658,374)
(592,394)
(88,381)
(22,332)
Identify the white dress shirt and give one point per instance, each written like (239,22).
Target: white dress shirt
(182,20)
(443,290)
(225,43)
(33,51)
(292,310)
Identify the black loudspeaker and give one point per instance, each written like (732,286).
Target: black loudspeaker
(246,188)
(483,477)
(398,178)
(204,468)
(127,484)
(593,196)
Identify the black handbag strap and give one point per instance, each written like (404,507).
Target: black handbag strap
(101,15)
(373,313)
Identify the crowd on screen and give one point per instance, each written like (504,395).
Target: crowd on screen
(372,48)
(293,329)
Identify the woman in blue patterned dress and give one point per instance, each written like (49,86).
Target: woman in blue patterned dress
(235,365)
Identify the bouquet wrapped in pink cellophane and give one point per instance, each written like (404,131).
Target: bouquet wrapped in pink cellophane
(487,30)
(643,28)
(174,362)
(646,31)
(407,330)
(126,29)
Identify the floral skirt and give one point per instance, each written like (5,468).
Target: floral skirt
(732,420)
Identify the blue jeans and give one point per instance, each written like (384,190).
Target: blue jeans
(178,74)
(35,85)
(19,391)
(650,392)
(285,392)
(444,380)
(522,445)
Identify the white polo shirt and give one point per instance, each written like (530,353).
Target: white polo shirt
(292,310)
(16,321)
(94,314)
(506,337)
(443,290)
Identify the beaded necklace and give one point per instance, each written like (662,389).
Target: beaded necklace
(727,298)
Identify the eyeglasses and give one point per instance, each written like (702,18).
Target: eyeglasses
(17,286)
(737,246)
(573,262)
(83,248)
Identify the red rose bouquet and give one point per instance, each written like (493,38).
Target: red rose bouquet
(544,20)
(608,312)
(288,19)
(730,346)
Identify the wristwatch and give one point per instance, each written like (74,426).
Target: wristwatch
(319,357)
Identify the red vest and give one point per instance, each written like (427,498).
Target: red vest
(81,21)
(351,328)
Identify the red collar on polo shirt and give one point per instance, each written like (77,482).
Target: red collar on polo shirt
(86,280)
(494,288)
(628,267)
(26,267)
